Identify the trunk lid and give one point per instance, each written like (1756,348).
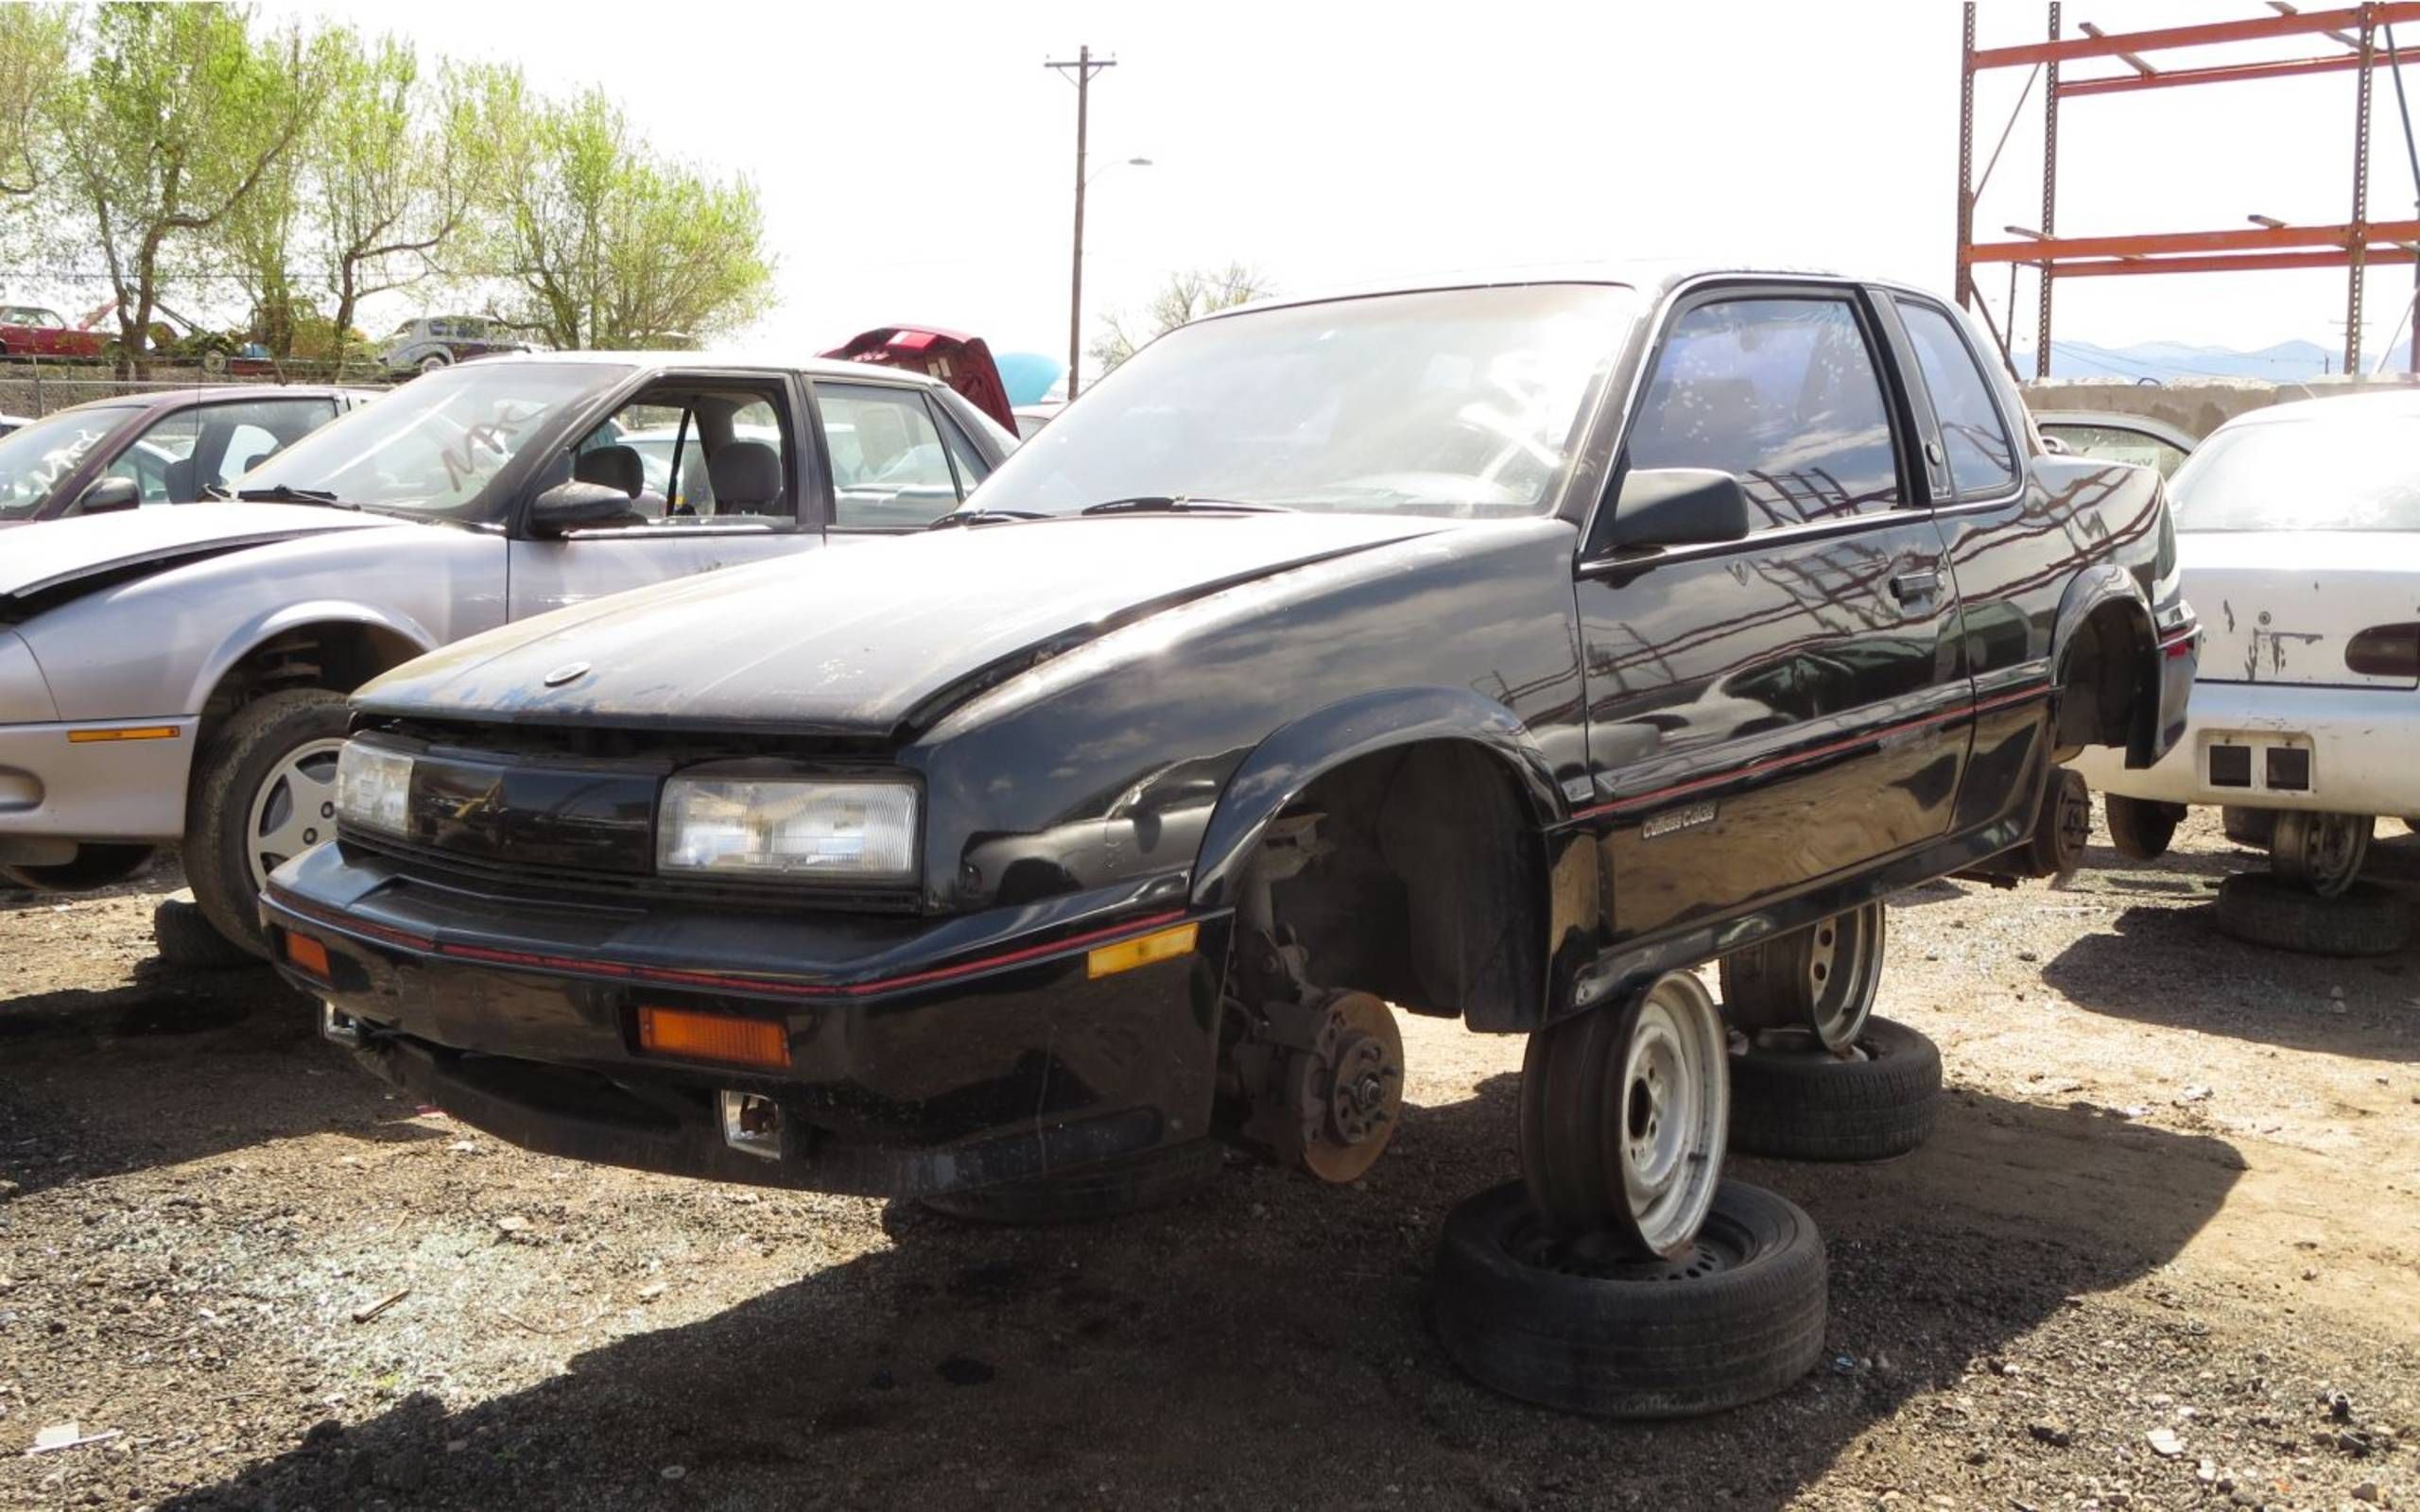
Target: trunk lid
(2283,606)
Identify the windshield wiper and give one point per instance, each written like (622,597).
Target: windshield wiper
(983,517)
(287,493)
(1181,504)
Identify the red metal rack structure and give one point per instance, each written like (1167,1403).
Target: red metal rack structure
(2359,242)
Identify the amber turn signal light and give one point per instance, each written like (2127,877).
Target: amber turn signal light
(723,1036)
(305,953)
(1144,950)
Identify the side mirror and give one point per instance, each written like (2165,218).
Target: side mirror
(108,496)
(1678,506)
(576,506)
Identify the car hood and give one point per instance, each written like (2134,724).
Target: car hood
(58,555)
(869,638)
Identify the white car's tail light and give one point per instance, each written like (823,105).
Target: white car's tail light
(787,826)
(2385,651)
(373,788)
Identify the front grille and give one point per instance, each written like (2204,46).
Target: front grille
(570,812)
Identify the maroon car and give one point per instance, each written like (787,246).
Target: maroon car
(145,449)
(37,330)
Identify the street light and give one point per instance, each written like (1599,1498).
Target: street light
(1130,163)
(1075,282)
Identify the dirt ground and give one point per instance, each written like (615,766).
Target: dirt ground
(2176,1188)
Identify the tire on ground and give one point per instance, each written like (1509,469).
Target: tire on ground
(95,865)
(2367,919)
(226,776)
(1796,1103)
(2252,827)
(1737,1318)
(186,937)
(2141,828)
(1107,1190)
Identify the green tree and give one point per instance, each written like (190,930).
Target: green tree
(389,171)
(1185,297)
(33,62)
(599,242)
(175,121)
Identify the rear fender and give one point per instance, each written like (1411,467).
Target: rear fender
(2090,592)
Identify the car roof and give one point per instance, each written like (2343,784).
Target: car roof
(171,397)
(1653,276)
(2385,404)
(657,361)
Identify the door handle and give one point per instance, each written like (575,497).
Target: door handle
(1915,587)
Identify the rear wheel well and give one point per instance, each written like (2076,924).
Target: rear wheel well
(1426,885)
(336,655)
(2102,695)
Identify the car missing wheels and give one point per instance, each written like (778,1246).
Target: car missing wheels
(1497,652)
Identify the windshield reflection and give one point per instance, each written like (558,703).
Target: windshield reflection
(1458,403)
(437,444)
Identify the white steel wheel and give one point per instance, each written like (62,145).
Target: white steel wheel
(2322,852)
(293,809)
(1624,1114)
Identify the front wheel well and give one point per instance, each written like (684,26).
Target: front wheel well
(2104,680)
(338,655)
(1423,886)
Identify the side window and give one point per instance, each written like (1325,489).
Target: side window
(2114,444)
(693,456)
(1783,394)
(1982,460)
(160,460)
(889,464)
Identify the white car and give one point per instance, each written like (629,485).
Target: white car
(2299,534)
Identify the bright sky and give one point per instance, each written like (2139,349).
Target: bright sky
(915,161)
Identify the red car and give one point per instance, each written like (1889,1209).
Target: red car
(32,331)
(963,362)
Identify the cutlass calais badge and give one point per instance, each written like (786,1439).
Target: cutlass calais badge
(1682,818)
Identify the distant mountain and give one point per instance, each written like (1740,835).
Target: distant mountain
(2168,361)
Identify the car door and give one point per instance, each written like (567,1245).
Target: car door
(718,471)
(1766,712)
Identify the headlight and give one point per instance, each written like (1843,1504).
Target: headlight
(373,788)
(780,827)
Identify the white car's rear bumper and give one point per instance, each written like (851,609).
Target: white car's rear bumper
(2278,746)
(55,790)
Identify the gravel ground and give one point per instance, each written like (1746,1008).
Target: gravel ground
(2160,1254)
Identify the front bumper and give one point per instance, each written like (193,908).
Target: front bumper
(924,1056)
(56,791)
(2281,745)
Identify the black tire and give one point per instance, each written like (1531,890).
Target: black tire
(227,775)
(95,865)
(2252,827)
(1107,1190)
(1792,1101)
(2365,920)
(187,938)
(2140,828)
(1737,1318)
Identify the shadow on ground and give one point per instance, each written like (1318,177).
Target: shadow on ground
(175,1066)
(1265,1345)
(2243,992)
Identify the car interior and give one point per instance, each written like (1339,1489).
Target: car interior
(686,453)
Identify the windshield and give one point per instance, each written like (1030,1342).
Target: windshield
(437,444)
(34,457)
(1461,403)
(2355,471)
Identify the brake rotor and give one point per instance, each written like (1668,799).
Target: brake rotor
(1348,1093)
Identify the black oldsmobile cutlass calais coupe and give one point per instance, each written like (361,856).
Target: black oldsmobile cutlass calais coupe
(1494,652)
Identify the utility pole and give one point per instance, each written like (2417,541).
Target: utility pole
(1082,70)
